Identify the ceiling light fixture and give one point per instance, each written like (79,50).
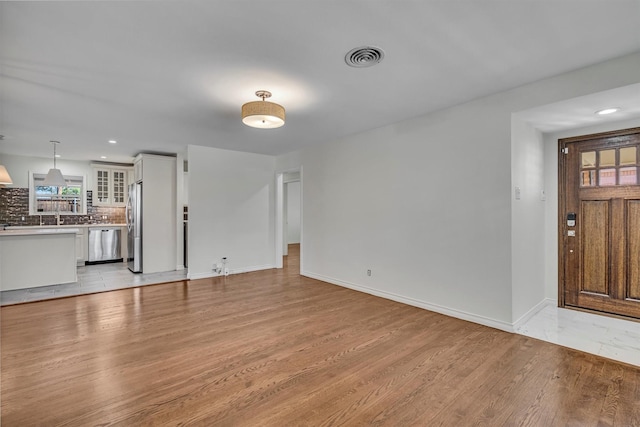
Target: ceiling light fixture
(263,114)
(113,141)
(606,111)
(54,176)
(5,178)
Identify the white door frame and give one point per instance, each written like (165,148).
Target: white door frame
(280,228)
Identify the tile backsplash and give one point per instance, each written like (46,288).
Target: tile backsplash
(14,206)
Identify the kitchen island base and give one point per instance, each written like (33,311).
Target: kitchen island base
(32,258)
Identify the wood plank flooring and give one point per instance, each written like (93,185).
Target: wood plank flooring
(272,348)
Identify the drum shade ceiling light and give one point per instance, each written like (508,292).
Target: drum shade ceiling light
(54,177)
(263,114)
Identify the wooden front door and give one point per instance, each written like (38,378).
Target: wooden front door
(599,222)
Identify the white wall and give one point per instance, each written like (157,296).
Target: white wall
(293,212)
(231,210)
(551,206)
(20,166)
(426,204)
(527,218)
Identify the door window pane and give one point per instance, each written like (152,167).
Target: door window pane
(628,176)
(628,156)
(607,158)
(607,177)
(588,159)
(588,178)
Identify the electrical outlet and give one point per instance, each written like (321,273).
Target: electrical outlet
(226,271)
(368,272)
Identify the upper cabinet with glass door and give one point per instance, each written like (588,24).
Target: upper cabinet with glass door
(110,185)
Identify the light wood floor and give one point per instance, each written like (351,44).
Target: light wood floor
(274,349)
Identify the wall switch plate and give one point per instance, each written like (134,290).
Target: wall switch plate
(517,191)
(368,272)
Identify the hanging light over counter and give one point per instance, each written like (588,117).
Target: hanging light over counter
(5,178)
(263,114)
(54,176)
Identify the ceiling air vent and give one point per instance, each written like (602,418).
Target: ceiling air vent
(364,56)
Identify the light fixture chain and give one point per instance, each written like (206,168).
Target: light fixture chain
(54,152)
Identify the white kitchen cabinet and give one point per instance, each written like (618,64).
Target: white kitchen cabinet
(158,212)
(110,185)
(81,246)
(124,249)
(35,257)
(137,170)
(185,189)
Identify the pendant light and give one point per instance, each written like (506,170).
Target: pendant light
(54,176)
(5,178)
(263,114)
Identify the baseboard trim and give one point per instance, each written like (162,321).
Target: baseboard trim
(459,314)
(532,312)
(252,268)
(196,276)
(207,275)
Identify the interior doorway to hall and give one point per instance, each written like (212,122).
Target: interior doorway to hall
(291,214)
(289,217)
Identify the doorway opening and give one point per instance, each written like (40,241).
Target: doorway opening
(289,217)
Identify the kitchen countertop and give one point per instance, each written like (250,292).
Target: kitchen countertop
(33,231)
(44,227)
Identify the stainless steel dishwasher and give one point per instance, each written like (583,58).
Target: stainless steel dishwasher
(104,245)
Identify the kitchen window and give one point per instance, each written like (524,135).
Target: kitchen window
(46,200)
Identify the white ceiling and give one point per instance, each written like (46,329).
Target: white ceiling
(158,75)
(580,112)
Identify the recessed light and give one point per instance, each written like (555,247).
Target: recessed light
(103,157)
(606,111)
(113,141)
(57,156)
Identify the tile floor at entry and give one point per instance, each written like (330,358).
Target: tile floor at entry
(605,336)
(92,279)
(608,337)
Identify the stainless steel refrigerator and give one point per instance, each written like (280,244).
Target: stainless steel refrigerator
(134,227)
